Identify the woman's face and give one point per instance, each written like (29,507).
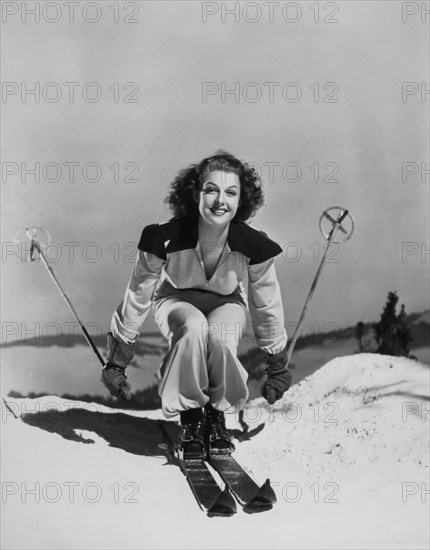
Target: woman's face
(219,197)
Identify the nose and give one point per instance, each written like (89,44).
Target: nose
(220,199)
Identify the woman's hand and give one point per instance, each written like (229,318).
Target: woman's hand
(114,378)
(279,378)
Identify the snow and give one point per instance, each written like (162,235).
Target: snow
(347,451)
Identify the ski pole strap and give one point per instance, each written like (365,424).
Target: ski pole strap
(279,359)
(119,353)
(276,368)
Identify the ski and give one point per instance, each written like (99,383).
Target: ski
(209,496)
(249,495)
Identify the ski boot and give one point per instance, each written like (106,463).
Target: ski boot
(218,439)
(192,439)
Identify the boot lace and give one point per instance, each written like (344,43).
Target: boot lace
(193,431)
(217,429)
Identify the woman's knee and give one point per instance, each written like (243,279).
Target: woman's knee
(190,329)
(222,340)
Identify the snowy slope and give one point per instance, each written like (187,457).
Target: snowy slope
(347,451)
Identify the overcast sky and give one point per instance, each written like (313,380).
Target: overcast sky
(334,104)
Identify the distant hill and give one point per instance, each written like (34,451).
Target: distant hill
(310,353)
(143,345)
(419,324)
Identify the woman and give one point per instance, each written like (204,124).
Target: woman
(190,270)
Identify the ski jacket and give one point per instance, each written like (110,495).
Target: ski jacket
(170,252)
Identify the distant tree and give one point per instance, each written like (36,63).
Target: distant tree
(392,332)
(359,333)
(385,329)
(404,336)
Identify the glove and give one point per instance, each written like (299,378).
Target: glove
(115,380)
(113,377)
(279,378)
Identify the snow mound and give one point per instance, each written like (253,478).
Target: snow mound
(346,449)
(359,417)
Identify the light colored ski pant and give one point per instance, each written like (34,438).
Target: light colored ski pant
(203,329)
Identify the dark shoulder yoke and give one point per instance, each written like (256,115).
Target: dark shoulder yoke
(252,243)
(152,240)
(158,238)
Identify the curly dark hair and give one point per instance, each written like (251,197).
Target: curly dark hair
(180,198)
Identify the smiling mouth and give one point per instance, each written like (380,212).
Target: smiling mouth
(218,211)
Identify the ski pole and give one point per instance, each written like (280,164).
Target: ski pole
(336,225)
(34,245)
